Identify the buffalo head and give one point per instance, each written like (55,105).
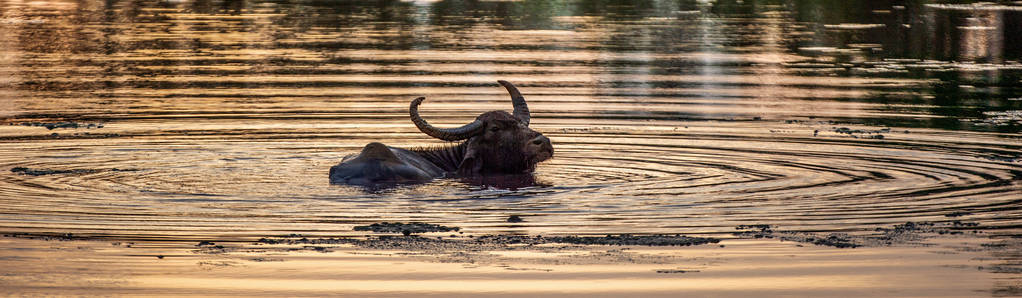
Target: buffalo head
(496,142)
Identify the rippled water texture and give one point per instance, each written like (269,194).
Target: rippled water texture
(180,119)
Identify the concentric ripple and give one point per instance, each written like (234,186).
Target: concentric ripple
(174,120)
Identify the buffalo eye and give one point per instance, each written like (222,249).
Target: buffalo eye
(494,128)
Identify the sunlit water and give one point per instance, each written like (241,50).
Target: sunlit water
(222,119)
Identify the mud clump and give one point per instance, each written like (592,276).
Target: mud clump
(85,135)
(765,231)
(1007,252)
(760,227)
(911,230)
(958,214)
(906,233)
(45,172)
(408,243)
(209,247)
(833,240)
(47,237)
(613,240)
(61,124)
(491,242)
(675,271)
(860,133)
(405,228)
(625,239)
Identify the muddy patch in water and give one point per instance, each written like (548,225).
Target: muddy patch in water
(45,172)
(60,124)
(902,234)
(639,259)
(405,228)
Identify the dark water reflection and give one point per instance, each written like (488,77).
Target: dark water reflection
(221,119)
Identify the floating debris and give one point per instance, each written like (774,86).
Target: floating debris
(957,214)
(897,234)
(861,133)
(62,124)
(761,227)
(405,228)
(626,239)
(44,172)
(673,271)
(490,242)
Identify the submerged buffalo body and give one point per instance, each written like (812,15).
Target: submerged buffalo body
(495,143)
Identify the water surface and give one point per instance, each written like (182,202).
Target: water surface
(220,120)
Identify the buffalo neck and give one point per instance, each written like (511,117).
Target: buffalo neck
(447,157)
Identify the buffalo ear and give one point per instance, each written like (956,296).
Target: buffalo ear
(471,164)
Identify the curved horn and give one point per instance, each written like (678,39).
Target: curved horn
(446,134)
(521,109)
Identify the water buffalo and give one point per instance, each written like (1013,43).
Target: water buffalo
(495,143)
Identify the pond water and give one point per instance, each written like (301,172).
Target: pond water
(220,120)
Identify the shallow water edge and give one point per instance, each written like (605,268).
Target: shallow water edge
(952,265)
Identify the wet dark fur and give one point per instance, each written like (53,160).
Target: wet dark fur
(447,158)
(504,146)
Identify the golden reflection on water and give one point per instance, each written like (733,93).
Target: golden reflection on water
(742,268)
(220,120)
